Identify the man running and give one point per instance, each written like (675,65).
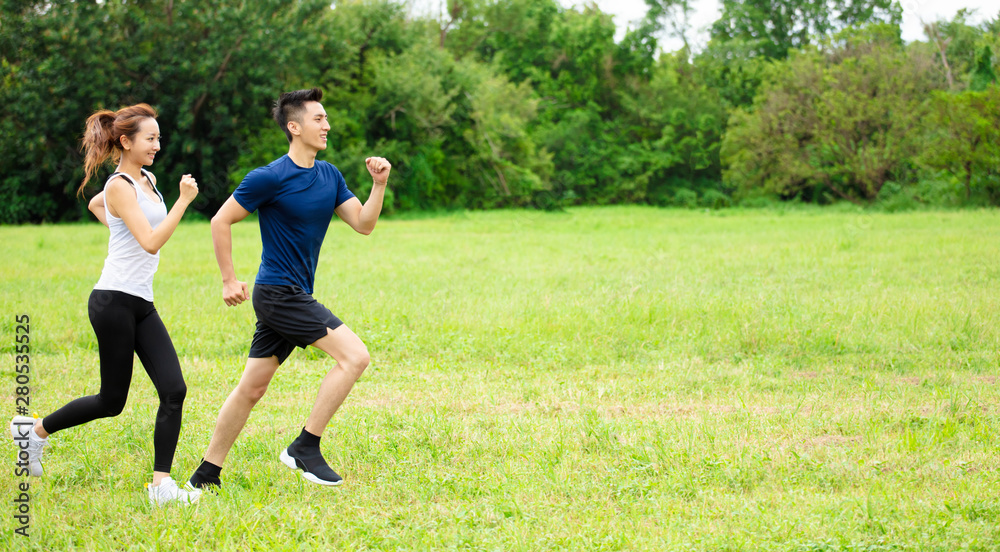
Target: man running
(295,196)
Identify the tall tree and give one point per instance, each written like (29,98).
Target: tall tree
(210,68)
(983,75)
(749,33)
(774,27)
(838,123)
(964,129)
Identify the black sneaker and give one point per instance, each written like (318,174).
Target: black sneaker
(314,467)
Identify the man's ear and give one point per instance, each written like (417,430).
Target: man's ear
(293,127)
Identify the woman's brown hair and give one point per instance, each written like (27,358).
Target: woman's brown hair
(102,137)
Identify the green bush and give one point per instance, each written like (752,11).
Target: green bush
(893,198)
(684,197)
(714,199)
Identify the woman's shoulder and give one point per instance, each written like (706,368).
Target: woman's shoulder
(149,176)
(118,181)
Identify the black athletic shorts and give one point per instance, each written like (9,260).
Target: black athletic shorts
(287,317)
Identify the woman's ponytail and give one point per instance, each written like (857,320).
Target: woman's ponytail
(102,136)
(98,143)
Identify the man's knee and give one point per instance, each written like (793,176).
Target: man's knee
(251,393)
(357,362)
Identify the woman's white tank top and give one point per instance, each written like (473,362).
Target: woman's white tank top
(129,268)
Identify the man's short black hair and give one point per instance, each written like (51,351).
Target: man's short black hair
(289,107)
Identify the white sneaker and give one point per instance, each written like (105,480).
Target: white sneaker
(29,447)
(168,491)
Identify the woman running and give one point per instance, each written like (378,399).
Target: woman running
(121,305)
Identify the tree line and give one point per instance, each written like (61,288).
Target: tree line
(514,103)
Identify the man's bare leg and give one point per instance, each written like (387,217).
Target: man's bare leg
(233,417)
(352,358)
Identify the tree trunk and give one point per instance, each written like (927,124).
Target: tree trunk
(968,180)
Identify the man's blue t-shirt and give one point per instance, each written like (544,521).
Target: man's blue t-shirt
(296,205)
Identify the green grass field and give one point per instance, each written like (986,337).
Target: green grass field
(600,379)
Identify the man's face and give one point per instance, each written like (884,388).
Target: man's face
(313,126)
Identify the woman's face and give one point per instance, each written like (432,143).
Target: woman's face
(142,147)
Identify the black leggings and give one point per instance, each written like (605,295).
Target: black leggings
(125,323)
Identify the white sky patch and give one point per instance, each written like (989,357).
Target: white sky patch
(705,12)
